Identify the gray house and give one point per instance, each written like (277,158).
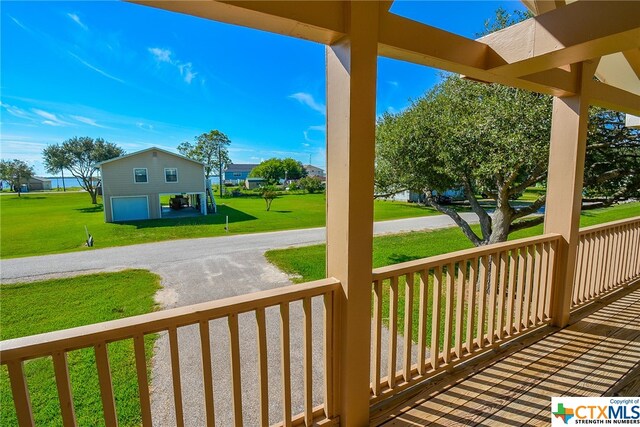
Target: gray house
(236,173)
(135,185)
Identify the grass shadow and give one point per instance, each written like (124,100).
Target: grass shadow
(282,211)
(398,258)
(93,209)
(212,219)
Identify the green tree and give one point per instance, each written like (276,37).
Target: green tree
(15,172)
(84,153)
(274,169)
(312,184)
(481,138)
(612,170)
(268,193)
(56,160)
(270,170)
(211,149)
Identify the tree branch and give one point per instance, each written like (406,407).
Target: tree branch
(485,219)
(464,225)
(519,225)
(532,208)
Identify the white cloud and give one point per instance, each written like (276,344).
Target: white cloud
(393,83)
(19,24)
(306,145)
(94,68)
(144,126)
(307,99)
(87,121)
(320,128)
(51,119)
(184,68)
(75,18)
(16,111)
(161,55)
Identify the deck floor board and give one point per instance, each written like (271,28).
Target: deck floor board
(596,355)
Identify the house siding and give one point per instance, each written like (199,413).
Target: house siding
(117,179)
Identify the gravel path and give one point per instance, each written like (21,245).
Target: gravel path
(198,270)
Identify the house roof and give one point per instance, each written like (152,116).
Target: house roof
(240,167)
(38,178)
(311,167)
(115,159)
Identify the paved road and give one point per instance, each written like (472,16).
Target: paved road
(198,270)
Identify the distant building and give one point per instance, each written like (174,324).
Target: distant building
(253,183)
(133,185)
(236,173)
(314,171)
(37,183)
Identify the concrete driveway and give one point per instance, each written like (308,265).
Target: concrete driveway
(198,270)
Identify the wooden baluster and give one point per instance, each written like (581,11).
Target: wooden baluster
(502,293)
(536,283)
(513,270)
(544,271)
(263,370)
(308,363)
(528,285)
(330,351)
(422,322)
(106,387)
(20,392)
(471,303)
(207,374)
(175,370)
(482,296)
(143,380)
(522,268)
(408,326)
(448,316)
(377,337)
(459,307)
(550,275)
(577,278)
(393,331)
(286,363)
(435,318)
(65,396)
(592,264)
(493,283)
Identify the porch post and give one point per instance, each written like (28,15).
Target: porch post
(564,188)
(351,115)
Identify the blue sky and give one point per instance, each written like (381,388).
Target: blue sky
(140,77)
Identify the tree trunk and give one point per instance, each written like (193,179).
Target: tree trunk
(63,186)
(94,195)
(500,222)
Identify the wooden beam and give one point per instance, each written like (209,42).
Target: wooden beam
(319,21)
(633,57)
(570,34)
(406,40)
(612,98)
(564,189)
(351,122)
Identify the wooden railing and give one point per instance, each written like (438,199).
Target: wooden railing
(456,306)
(608,257)
(57,344)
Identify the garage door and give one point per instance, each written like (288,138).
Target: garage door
(129,208)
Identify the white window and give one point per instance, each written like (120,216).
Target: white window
(170,175)
(140,175)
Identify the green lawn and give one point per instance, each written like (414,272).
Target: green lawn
(308,263)
(39,224)
(33,308)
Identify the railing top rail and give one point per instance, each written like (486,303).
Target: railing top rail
(85,336)
(382,273)
(600,227)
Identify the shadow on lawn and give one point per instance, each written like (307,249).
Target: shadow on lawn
(92,209)
(212,219)
(398,258)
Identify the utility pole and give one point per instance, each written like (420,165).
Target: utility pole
(220,168)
